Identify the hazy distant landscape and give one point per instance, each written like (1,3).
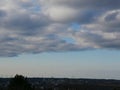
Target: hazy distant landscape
(20,82)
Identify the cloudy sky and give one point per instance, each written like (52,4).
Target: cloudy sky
(60,38)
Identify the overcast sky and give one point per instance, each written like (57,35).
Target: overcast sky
(79,38)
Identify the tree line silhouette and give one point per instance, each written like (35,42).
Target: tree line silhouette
(19,82)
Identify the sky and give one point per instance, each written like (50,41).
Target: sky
(60,38)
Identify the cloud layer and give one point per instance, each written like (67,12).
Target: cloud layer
(36,26)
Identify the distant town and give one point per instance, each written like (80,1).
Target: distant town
(59,84)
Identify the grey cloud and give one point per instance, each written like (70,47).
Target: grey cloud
(98,40)
(108,22)
(22,45)
(25,22)
(109,4)
(26,30)
(81,11)
(2,13)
